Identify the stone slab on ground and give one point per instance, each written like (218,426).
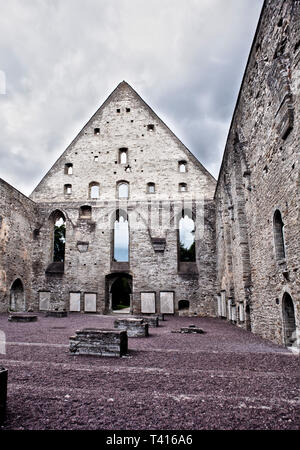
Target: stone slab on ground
(22,317)
(99,342)
(134,327)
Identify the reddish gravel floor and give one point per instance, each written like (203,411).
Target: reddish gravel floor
(225,379)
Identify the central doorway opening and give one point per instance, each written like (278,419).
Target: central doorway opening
(120,292)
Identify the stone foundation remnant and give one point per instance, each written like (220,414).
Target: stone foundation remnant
(56,314)
(99,342)
(152,321)
(191,329)
(134,327)
(3,393)
(22,317)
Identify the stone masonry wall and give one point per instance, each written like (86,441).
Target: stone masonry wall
(18,217)
(153,156)
(259,175)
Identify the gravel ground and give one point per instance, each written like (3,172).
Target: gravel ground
(225,379)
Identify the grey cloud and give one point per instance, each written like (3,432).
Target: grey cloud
(63,58)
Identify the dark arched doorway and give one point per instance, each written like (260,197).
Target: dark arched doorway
(119,289)
(289,322)
(17,296)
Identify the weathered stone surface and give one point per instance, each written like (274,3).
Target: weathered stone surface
(56,314)
(167,302)
(99,342)
(148,302)
(191,329)
(3,393)
(134,327)
(152,321)
(259,176)
(22,317)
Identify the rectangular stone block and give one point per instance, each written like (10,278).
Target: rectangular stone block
(148,302)
(99,342)
(75,301)
(167,302)
(90,302)
(152,321)
(134,327)
(44,301)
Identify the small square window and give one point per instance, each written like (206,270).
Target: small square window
(150,127)
(182,187)
(96,131)
(96,158)
(127,109)
(118,110)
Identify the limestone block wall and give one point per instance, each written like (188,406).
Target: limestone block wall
(18,219)
(153,155)
(259,175)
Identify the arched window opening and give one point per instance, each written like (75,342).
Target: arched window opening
(278,226)
(94,190)
(17,297)
(85,212)
(123,155)
(69,169)
(121,237)
(182,187)
(289,323)
(123,190)
(57,219)
(187,251)
(68,189)
(182,166)
(151,188)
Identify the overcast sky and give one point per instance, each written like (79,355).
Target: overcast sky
(62,58)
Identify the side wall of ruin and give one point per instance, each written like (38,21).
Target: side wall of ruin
(259,176)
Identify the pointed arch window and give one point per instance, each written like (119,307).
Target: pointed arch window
(187,250)
(121,237)
(58,223)
(278,231)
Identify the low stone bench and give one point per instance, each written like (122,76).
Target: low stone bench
(99,342)
(22,317)
(152,321)
(3,393)
(56,314)
(134,327)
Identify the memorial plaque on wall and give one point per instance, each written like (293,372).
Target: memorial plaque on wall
(44,301)
(90,302)
(75,301)
(166,302)
(148,302)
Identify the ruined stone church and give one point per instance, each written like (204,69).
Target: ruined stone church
(128,218)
